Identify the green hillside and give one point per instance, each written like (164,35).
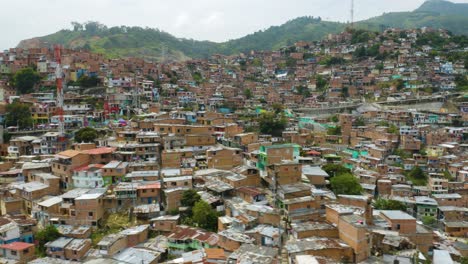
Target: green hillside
(152,43)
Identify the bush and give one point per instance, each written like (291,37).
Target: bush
(345,184)
(272,124)
(25,80)
(384,204)
(428,220)
(86,134)
(204,216)
(335,169)
(190,198)
(18,114)
(49,233)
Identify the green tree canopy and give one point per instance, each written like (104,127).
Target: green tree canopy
(278,108)
(204,216)
(320,83)
(384,204)
(25,80)
(345,184)
(335,169)
(49,233)
(399,84)
(334,119)
(18,114)
(86,134)
(86,81)
(272,124)
(334,130)
(428,220)
(417,176)
(304,91)
(189,198)
(417,173)
(359,122)
(248,93)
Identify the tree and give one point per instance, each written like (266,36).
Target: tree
(49,233)
(384,204)
(399,84)
(248,93)
(6,137)
(402,153)
(189,198)
(428,220)
(278,108)
(379,66)
(335,169)
(18,114)
(204,216)
(334,119)
(345,184)
(87,134)
(77,26)
(393,129)
(25,79)
(417,173)
(257,62)
(272,124)
(304,91)
(462,82)
(197,77)
(320,83)
(87,82)
(359,122)
(334,130)
(464,260)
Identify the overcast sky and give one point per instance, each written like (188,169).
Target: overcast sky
(215,20)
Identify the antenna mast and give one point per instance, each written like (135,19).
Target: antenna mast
(352,13)
(59,82)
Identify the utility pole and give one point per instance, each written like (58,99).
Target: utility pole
(59,82)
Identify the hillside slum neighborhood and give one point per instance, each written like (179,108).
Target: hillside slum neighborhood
(352,149)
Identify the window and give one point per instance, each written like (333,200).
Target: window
(13,253)
(398,226)
(90,214)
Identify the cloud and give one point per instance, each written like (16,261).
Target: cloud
(214,18)
(181,20)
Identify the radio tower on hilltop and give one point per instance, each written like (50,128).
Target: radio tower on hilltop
(352,13)
(59,82)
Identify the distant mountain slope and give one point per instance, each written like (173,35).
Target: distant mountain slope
(153,43)
(444,7)
(302,28)
(125,41)
(433,13)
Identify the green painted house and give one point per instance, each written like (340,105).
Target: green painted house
(186,239)
(276,153)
